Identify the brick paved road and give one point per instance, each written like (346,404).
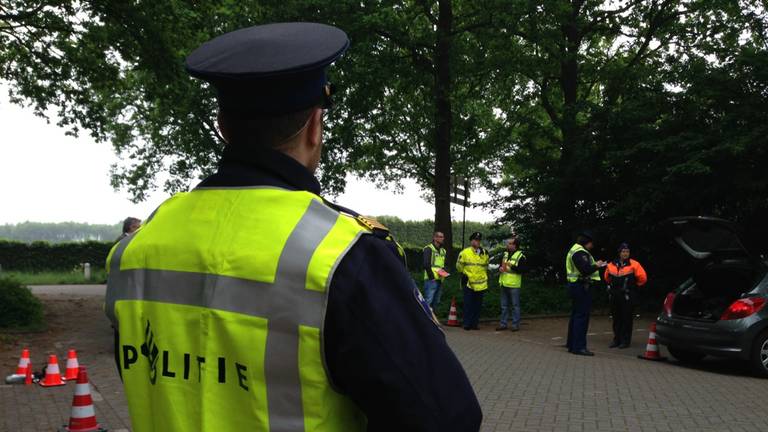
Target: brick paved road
(524,380)
(527,383)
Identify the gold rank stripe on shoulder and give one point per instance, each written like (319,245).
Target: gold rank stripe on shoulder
(371,223)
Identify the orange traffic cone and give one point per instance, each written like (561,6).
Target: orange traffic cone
(83,417)
(23,366)
(453,319)
(28,377)
(652,348)
(72,365)
(52,373)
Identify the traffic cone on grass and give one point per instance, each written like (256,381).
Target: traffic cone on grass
(652,348)
(83,417)
(52,373)
(453,319)
(72,365)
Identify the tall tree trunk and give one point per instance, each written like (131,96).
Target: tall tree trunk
(564,206)
(443,125)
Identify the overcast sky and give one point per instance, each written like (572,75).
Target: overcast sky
(46,176)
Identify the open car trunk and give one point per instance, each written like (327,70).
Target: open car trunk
(711,290)
(724,268)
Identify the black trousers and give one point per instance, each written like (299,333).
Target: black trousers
(622,310)
(578,325)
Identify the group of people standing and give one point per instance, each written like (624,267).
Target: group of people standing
(473,265)
(623,276)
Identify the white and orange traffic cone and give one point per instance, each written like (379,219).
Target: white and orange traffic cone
(453,319)
(72,365)
(21,370)
(52,373)
(83,417)
(23,366)
(652,348)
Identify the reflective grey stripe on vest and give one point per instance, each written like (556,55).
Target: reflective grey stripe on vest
(286,304)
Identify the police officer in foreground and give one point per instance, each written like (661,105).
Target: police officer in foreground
(581,271)
(251,303)
(473,265)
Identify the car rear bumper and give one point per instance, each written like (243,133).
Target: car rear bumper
(707,338)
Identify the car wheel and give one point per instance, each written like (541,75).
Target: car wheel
(759,355)
(686,356)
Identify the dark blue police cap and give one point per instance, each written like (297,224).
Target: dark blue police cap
(270,69)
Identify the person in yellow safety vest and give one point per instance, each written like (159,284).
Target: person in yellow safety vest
(581,271)
(473,265)
(434,270)
(513,265)
(251,303)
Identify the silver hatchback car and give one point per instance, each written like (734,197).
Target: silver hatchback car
(720,310)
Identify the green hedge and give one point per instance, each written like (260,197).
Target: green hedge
(44,256)
(19,309)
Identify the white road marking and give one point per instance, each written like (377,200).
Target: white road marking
(95,395)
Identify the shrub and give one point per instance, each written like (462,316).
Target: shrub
(19,309)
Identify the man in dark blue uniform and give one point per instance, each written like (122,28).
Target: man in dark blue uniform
(381,346)
(581,273)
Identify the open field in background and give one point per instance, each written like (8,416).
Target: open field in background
(98,276)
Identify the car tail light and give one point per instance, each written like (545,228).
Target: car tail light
(668,304)
(743,308)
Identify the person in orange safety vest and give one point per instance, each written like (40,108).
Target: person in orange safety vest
(623,276)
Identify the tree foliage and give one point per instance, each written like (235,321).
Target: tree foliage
(576,113)
(625,113)
(59,232)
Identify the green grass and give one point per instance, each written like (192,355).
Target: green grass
(536,297)
(98,276)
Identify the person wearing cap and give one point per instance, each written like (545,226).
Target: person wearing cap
(581,271)
(250,302)
(513,265)
(434,269)
(623,276)
(473,265)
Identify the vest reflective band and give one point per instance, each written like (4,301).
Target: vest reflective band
(572,273)
(511,279)
(474,266)
(220,306)
(438,261)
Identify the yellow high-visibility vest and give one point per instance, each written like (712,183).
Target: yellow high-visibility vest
(511,279)
(572,273)
(219,301)
(438,261)
(475,267)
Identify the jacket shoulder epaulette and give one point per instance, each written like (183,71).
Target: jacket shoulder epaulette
(373,225)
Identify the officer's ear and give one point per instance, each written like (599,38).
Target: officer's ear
(313,142)
(221,121)
(315,129)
